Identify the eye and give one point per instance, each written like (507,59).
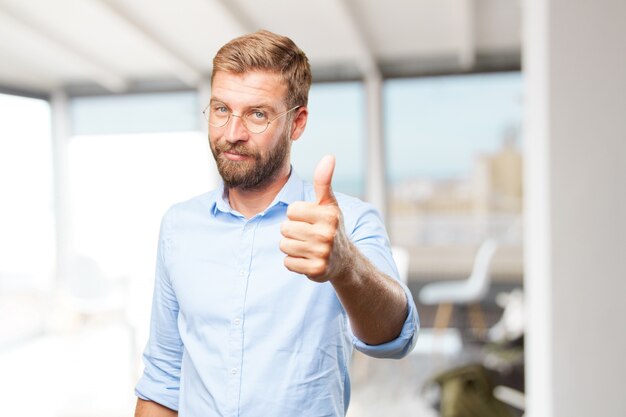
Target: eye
(257,115)
(219,109)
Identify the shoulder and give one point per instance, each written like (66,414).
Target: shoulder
(198,202)
(198,205)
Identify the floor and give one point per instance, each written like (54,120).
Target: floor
(83,370)
(77,374)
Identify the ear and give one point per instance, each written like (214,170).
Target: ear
(299,122)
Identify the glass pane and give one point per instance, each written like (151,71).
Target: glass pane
(27,243)
(135,113)
(455,169)
(336,126)
(26,213)
(121,185)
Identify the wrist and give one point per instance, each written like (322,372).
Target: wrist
(345,272)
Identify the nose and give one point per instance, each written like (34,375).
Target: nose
(235,130)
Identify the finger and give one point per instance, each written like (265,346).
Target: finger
(295,248)
(302,211)
(323,233)
(309,232)
(322,179)
(308,212)
(303,249)
(309,267)
(296,230)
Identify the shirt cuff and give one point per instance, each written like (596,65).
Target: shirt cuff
(401,345)
(148,390)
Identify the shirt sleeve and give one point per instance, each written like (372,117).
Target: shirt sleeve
(162,356)
(370,237)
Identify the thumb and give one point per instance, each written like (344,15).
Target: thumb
(322,179)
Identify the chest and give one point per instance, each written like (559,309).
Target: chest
(227,272)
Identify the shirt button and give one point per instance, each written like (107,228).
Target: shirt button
(237,321)
(234,371)
(242,273)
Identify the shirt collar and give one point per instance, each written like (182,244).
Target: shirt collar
(293,190)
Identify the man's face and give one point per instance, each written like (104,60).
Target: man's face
(247,160)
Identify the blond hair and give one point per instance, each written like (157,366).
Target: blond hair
(267,51)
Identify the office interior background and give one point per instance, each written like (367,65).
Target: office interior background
(464,121)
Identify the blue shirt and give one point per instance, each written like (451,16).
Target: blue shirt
(235,333)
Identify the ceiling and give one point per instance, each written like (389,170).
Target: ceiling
(116,46)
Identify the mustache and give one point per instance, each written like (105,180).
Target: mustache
(238,148)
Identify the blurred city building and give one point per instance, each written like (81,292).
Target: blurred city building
(442,221)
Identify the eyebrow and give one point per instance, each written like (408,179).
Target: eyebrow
(256,106)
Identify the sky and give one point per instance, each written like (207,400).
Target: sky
(434,126)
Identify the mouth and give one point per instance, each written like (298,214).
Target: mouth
(234,156)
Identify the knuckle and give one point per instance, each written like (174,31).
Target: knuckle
(319,267)
(327,235)
(294,208)
(291,209)
(329,217)
(322,251)
(333,215)
(288,263)
(284,227)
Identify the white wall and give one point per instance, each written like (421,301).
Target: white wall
(575,69)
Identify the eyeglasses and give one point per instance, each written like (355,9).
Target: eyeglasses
(255,120)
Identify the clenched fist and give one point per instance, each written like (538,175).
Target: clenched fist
(314,239)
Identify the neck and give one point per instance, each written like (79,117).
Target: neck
(251,202)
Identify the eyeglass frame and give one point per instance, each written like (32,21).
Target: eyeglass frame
(243,120)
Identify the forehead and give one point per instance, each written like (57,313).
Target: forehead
(249,88)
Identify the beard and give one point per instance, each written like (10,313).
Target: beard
(257,170)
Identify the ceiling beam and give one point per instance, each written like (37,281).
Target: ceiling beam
(17,91)
(240,17)
(365,57)
(99,71)
(467,33)
(22,70)
(183,69)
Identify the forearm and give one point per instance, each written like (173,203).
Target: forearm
(152,409)
(376,304)
(316,245)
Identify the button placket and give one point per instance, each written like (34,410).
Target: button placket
(240,283)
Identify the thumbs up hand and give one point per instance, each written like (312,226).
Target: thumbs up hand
(322,179)
(314,239)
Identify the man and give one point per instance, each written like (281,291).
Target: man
(264,285)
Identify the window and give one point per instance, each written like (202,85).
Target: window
(454,164)
(27,242)
(336,126)
(27,245)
